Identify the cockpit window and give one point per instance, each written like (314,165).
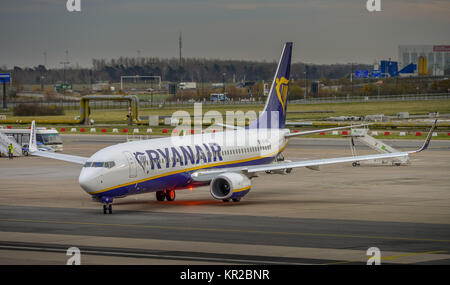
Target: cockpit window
(108,164)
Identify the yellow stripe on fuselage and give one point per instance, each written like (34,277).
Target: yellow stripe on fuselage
(242,189)
(189,169)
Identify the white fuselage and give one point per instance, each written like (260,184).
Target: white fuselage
(167,163)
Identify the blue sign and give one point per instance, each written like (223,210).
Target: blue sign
(375,73)
(389,67)
(5,77)
(361,73)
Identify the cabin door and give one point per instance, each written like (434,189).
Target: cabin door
(131,164)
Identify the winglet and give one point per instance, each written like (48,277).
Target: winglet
(32,146)
(427,141)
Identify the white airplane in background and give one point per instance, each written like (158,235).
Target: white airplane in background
(226,161)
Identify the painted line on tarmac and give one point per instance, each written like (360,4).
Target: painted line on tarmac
(393,257)
(170,255)
(222,230)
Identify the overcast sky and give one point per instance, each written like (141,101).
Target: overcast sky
(323,31)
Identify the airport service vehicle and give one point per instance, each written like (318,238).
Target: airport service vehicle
(26,150)
(187,85)
(46,139)
(226,161)
(222,97)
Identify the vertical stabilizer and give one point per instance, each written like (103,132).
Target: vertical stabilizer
(32,147)
(274,113)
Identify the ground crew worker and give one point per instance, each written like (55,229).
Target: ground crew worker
(10,151)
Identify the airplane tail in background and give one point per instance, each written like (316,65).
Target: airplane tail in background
(32,146)
(274,113)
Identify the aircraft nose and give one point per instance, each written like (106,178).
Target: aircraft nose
(87,181)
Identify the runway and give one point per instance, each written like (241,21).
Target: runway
(415,238)
(330,216)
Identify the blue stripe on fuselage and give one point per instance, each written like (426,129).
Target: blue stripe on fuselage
(177,180)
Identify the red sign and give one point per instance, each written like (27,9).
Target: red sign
(441,48)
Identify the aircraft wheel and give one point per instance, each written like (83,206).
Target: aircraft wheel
(170,195)
(105,209)
(236,199)
(226,200)
(289,170)
(355,164)
(110,209)
(160,196)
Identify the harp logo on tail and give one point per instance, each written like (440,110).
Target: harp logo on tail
(282,90)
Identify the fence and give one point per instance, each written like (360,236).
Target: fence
(145,104)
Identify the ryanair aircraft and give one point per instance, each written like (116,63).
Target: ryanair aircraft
(226,161)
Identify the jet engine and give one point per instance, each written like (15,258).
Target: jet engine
(230,185)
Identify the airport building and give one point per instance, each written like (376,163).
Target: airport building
(437,57)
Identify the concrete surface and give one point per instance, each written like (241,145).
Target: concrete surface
(330,216)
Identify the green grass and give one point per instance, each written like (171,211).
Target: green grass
(117,116)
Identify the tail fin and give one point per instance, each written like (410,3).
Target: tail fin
(274,113)
(32,147)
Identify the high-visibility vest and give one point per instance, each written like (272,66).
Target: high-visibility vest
(11,148)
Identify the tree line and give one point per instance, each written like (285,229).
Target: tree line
(172,70)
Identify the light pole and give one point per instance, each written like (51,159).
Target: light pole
(223,82)
(203,82)
(306,81)
(351,78)
(64,63)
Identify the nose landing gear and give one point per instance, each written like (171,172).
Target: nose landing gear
(107,205)
(107,209)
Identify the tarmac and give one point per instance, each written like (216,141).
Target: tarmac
(331,216)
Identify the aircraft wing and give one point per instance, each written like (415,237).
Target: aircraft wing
(319,162)
(322,130)
(59,156)
(209,174)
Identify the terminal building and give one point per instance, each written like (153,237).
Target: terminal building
(437,57)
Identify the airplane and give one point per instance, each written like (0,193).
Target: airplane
(226,161)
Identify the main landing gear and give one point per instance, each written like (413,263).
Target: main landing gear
(234,200)
(107,205)
(168,195)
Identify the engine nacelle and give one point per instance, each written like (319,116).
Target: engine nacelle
(230,185)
